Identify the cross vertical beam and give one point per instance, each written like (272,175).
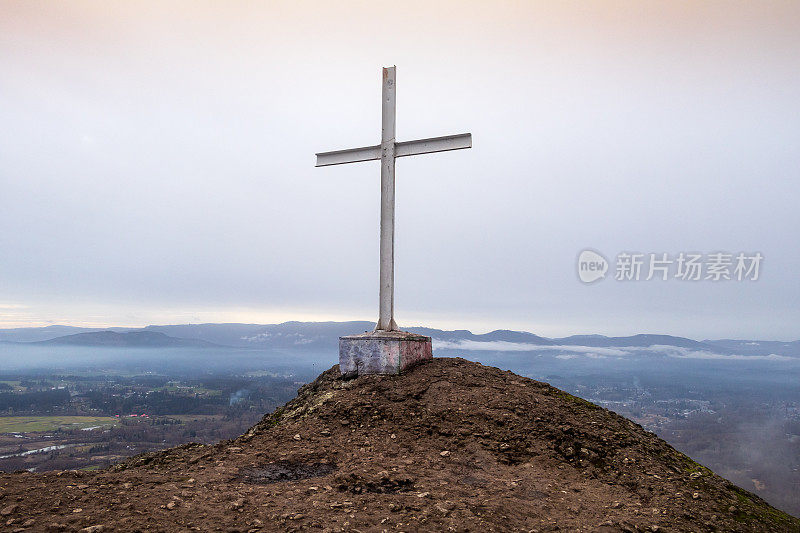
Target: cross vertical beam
(387,152)
(386,305)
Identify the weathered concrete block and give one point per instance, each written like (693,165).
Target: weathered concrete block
(382,352)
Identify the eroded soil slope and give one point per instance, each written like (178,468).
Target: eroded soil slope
(451,445)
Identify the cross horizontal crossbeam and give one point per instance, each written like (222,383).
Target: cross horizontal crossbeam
(402,149)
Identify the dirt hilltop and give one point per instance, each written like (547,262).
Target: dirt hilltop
(448,446)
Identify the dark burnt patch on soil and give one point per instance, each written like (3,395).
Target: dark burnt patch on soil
(284,471)
(383,482)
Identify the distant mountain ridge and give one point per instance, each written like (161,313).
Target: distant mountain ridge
(130,339)
(499,335)
(749,347)
(641,340)
(42,333)
(324,336)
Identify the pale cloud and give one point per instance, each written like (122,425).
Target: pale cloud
(504,346)
(572,352)
(733,357)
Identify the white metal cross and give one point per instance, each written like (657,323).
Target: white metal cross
(387,151)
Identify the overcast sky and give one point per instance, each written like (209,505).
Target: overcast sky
(157,162)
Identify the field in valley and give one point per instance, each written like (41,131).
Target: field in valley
(26,424)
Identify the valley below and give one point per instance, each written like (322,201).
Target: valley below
(86,408)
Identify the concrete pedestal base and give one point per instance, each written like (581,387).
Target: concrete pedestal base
(382,352)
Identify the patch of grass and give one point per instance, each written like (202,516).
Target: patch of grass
(25,424)
(262,374)
(575,399)
(691,466)
(15,385)
(189,390)
(192,418)
(758,510)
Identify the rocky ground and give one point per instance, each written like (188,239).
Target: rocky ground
(449,446)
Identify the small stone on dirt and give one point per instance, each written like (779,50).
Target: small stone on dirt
(236,504)
(5,511)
